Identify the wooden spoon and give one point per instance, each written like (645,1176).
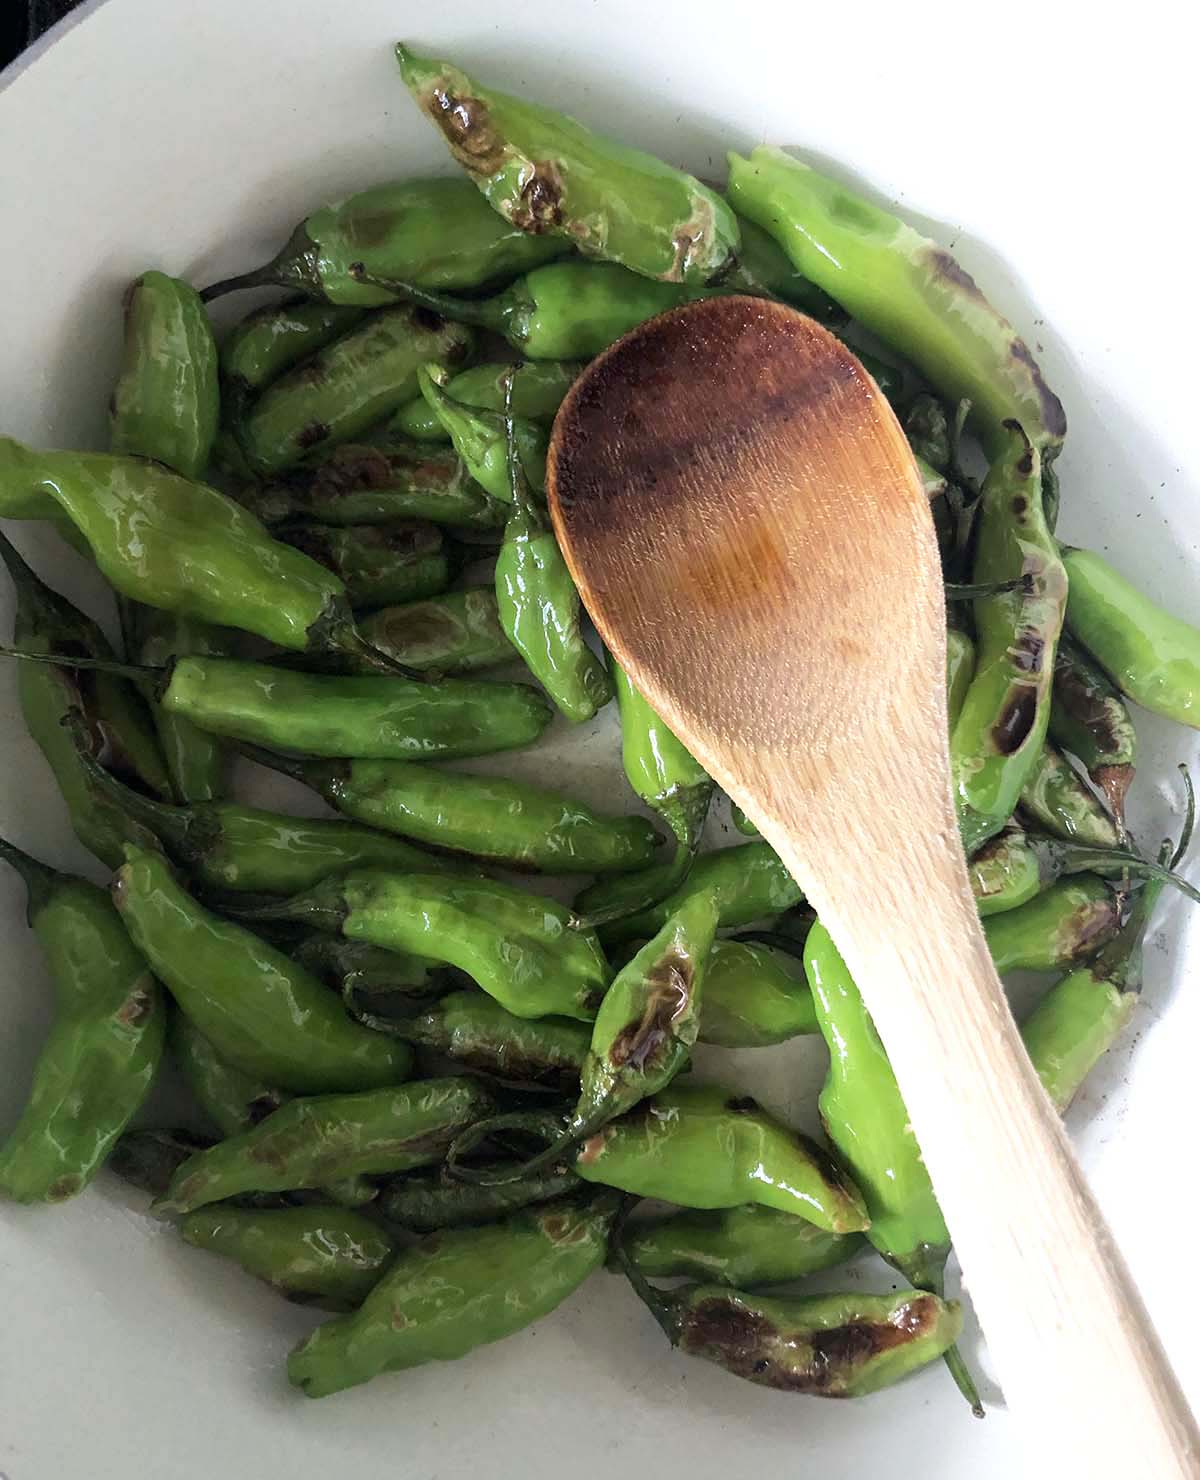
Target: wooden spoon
(744,520)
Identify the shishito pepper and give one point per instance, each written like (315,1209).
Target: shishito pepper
(480,437)
(1088,717)
(1062,805)
(456,632)
(549,175)
(274,338)
(744,1246)
(538,389)
(429,1201)
(380,564)
(100,1058)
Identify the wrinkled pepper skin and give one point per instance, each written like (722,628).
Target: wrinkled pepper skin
(112,711)
(481,438)
(1014,867)
(1151,656)
(181,546)
(357,484)
(312,1142)
(437,233)
(826,1346)
(1067,922)
(1088,717)
(1059,802)
(369,716)
(232,1100)
(196,762)
(1001,729)
(753,997)
(272,339)
(701,1147)
(370,972)
(547,174)
(520,948)
(904,288)
(327,1257)
(350,385)
(102,1053)
(433,1200)
(457,632)
(538,390)
(456,1290)
(401,561)
(488,816)
(749,883)
(746,1247)
(262,1012)
(166,404)
(764,270)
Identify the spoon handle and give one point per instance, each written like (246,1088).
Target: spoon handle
(1070,1336)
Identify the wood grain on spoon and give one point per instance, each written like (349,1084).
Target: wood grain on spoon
(746,526)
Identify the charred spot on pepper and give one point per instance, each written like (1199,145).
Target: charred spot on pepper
(539,205)
(137,1007)
(668,990)
(312,435)
(1028,651)
(1054,417)
(466,124)
(1016,720)
(944,266)
(742,1105)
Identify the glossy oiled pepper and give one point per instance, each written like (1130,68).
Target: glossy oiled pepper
(481,437)
(520,948)
(248,850)
(744,1246)
(489,816)
(753,996)
(999,734)
(356,484)
(1151,656)
(827,1346)
(476,1032)
(456,632)
(183,547)
(263,1013)
(742,822)
(435,232)
(232,1100)
(274,338)
(763,269)
(664,774)
(1088,717)
(904,288)
(348,386)
(373,974)
(865,1117)
(327,1257)
(960,670)
(424,1203)
(1055,797)
(167,404)
(456,1290)
(379,564)
(749,883)
(311,1142)
(100,1057)
(195,760)
(538,389)
(539,607)
(703,1147)
(548,174)
(1064,924)
(116,718)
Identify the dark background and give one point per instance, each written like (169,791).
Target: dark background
(23,21)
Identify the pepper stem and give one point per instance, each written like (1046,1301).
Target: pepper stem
(463,310)
(346,638)
(531,1122)
(139,672)
(286,765)
(957,1367)
(955,591)
(557,1150)
(1077,857)
(164,820)
(662,1306)
(39,878)
(261,277)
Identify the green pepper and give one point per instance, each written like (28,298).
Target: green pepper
(700,1146)
(1088,717)
(1067,922)
(753,997)
(538,389)
(1151,656)
(539,607)
(262,1012)
(549,175)
(232,1100)
(354,484)
(148,1159)
(182,547)
(379,564)
(196,761)
(274,338)
(1055,797)
(488,816)
(742,822)
(520,948)
(866,1119)
(311,1142)
(328,1257)
(426,1202)
(477,1033)
(998,736)
(46,622)
(904,288)
(669,780)
(166,404)
(747,1246)
(748,881)
(341,390)
(456,1290)
(456,632)
(481,437)
(764,270)
(372,973)
(960,670)
(436,232)
(827,1346)
(101,1055)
